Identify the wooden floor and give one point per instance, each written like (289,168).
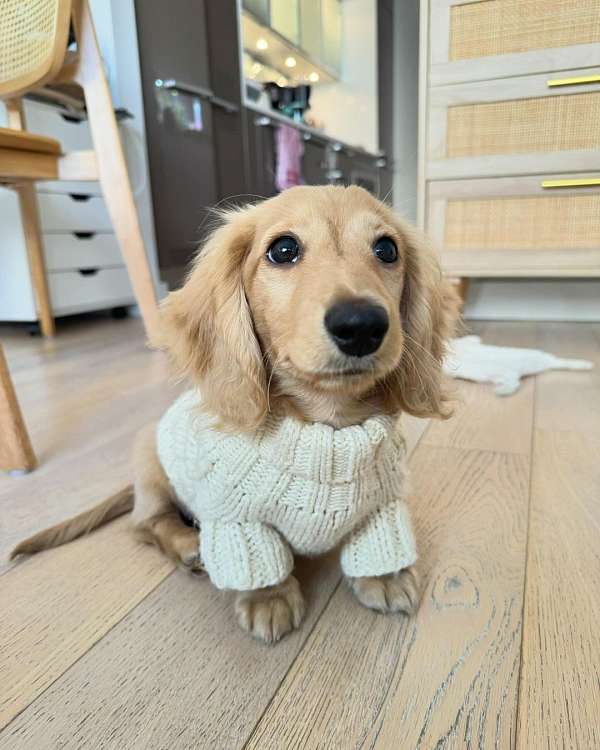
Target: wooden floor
(104,645)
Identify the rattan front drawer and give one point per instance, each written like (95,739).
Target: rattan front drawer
(482,39)
(515,227)
(515,125)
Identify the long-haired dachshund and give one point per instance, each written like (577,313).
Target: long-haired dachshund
(307,324)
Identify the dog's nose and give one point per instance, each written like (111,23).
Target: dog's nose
(357,326)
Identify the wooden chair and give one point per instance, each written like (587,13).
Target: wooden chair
(34,37)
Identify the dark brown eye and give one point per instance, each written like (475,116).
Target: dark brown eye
(385,249)
(284,250)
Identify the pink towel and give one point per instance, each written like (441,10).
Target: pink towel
(289,157)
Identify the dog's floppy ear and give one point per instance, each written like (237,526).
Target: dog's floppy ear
(429,311)
(207,329)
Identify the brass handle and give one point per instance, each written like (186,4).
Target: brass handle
(573,81)
(585,182)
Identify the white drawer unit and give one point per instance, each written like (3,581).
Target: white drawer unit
(517,226)
(43,119)
(65,252)
(89,289)
(509,144)
(520,125)
(473,40)
(73,212)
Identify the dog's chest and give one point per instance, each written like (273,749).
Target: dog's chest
(310,482)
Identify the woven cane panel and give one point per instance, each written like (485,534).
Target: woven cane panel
(544,124)
(543,222)
(498,27)
(27,30)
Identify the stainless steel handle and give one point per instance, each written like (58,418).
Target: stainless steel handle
(200,91)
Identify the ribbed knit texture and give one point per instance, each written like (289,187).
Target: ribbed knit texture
(289,486)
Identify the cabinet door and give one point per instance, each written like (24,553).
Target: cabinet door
(179,126)
(516,227)
(518,125)
(480,39)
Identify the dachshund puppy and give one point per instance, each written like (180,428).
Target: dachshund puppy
(308,324)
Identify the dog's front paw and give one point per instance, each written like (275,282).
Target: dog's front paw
(396,592)
(268,614)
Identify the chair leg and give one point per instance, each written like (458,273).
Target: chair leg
(112,168)
(31,229)
(16,453)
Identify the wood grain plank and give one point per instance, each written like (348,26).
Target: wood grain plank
(58,604)
(483,421)
(560,677)
(447,678)
(176,672)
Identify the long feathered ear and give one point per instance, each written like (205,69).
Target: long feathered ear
(429,311)
(207,329)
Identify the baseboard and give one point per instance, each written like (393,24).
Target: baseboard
(547,299)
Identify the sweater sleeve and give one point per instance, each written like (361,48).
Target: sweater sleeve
(244,556)
(384,543)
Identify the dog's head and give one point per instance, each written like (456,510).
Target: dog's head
(320,288)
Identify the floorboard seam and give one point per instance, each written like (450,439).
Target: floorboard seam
(526,567)
(5,728)
(291,665)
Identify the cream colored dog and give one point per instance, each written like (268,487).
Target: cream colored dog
(319,304)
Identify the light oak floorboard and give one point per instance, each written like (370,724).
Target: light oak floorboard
(481,420)
(560,678)
(177,672)
(57,604)
(448,675)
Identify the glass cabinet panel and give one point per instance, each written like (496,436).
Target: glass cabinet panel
(258,8)
(332,32)
(284,19)
(310,28)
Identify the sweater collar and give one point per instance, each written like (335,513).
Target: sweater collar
(324,453)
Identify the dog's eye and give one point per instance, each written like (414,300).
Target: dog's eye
(284,250)
(385,249)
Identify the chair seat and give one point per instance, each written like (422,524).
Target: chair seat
(23,141)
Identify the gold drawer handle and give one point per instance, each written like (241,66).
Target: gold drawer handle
(573,81)
(586,182)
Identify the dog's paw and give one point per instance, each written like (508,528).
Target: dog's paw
(396,592)
(268,614)
(186,551)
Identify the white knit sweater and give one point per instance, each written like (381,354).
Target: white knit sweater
(289,486)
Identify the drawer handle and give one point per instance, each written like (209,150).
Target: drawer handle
(88,271)
(84,235)
(79,196)
(578,80)
(585,182)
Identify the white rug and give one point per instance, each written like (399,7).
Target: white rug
(503,366)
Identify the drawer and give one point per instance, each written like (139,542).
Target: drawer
(69,186)
(73,212)
(75,291)
(65,252)
(473,40)
(516,125)
(43,119)
(516,227)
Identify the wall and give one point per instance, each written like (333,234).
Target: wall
(348,108)
(547,299)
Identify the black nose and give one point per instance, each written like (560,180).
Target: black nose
(357,326)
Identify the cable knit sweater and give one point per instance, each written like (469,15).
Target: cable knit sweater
(289,486)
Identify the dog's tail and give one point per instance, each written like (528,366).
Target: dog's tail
(114,506)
